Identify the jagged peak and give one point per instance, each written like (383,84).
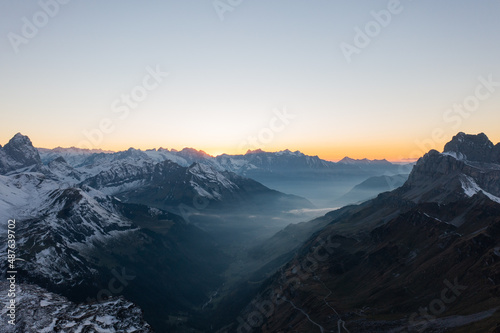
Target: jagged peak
(479,138)
(20,139)
(256,151)
(472,147)
(75,150)
(347,159)
(19,153)
(192,151)
(278,153)
(21,144)
(289,152)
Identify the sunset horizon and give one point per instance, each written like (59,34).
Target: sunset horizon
(419,148)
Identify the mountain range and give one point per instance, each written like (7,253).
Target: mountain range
(320,181)
(181,241)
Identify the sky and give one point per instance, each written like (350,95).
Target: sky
(375,79)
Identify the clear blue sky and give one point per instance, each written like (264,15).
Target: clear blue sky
(227,77)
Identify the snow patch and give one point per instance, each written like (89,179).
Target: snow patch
(470,188)
(456,156)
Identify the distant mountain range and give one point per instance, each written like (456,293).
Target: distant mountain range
(320,181)
(254,162)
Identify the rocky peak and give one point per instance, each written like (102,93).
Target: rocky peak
(18,153)
(193,153)
(21,148)
(256,151)
(347,160)
(288,152)
(449,175)
(472,147)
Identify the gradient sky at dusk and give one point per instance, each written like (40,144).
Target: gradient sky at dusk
(227,78)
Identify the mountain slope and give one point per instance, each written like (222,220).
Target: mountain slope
(371,187)
(79,239)
(223,190)
(422,257)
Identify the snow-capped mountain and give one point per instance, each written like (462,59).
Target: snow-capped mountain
(287,171)
(156,177)
(191,155)
(274,162)
(61,231)
(22,194)
(64,172)
(254,162)
(168,185)
(162,154)
(74,156)
(98,159)
(300,165)
(73,240)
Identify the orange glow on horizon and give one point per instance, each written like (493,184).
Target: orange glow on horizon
(401,151)
(334,154)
